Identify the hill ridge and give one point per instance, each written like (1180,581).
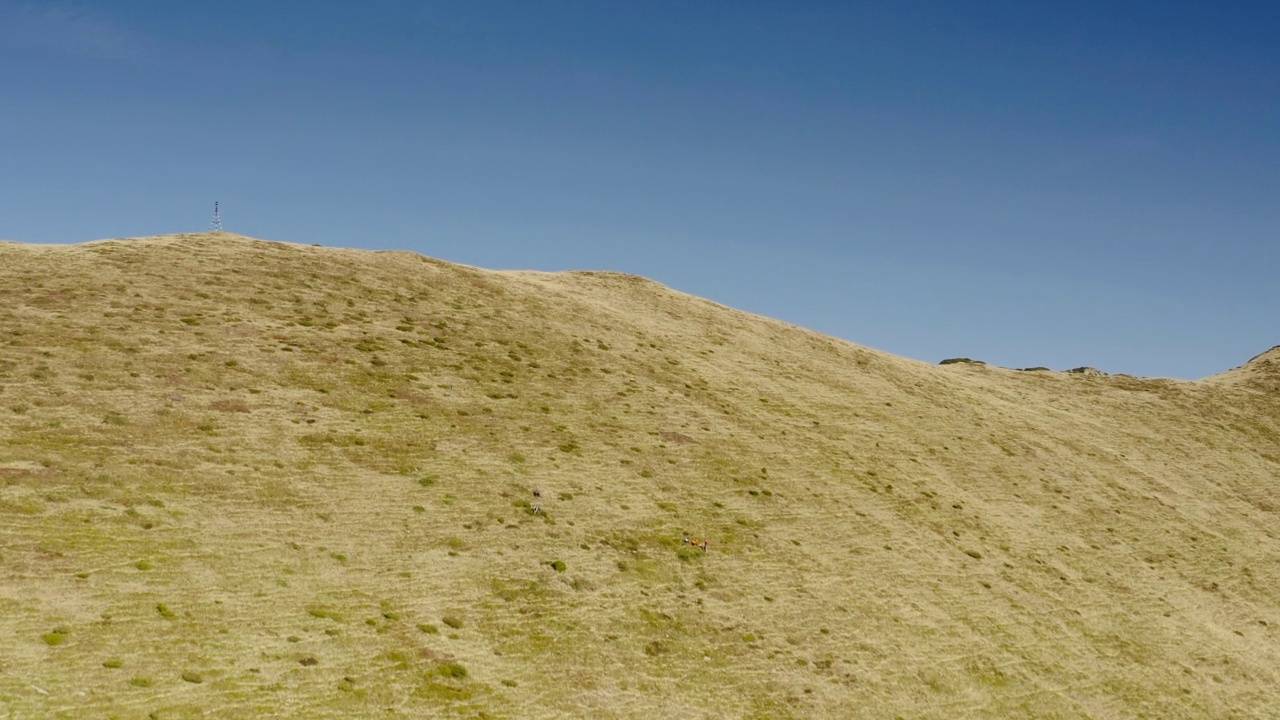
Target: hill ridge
(1268,356)
(247,477)
(205,237)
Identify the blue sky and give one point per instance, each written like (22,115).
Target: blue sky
(1060,184)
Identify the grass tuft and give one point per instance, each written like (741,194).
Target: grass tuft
(57,637)
(452,670)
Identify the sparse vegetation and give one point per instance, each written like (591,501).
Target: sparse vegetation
(298,498)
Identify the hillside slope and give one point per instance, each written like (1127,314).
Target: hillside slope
(248,479)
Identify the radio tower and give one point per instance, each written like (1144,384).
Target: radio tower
(216,225)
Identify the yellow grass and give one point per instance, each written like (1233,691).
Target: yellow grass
(253,479)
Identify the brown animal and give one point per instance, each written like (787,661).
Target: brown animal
(704,544)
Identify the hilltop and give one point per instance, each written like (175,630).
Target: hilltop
(1262,372)
(242,478)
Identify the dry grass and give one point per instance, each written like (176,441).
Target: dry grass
(241,478)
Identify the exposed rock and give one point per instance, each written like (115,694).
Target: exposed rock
(1086,370)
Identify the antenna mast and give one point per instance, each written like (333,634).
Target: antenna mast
(216,225)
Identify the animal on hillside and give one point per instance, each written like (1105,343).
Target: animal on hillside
(695,542)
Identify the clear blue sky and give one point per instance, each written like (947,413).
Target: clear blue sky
(1061,184)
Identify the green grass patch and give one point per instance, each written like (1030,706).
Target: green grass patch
(324,613)
(452,670)
(57,637)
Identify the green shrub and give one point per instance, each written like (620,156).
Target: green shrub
(452,670)
(56,637)
(558,565)
(452,621)
(323,613)
(192,677)
(113,664)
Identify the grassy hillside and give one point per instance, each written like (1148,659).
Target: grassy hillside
(252,479)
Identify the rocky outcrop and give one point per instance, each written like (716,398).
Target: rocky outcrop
(1085,370)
